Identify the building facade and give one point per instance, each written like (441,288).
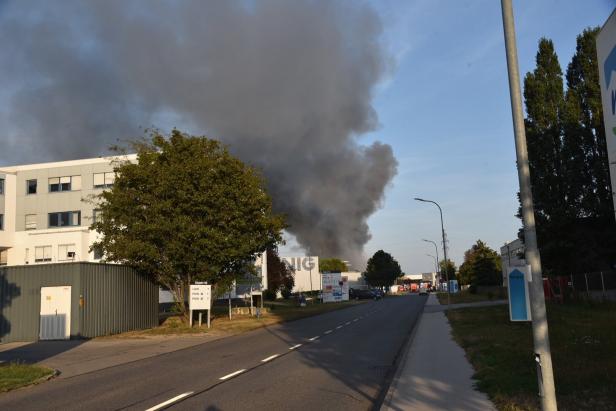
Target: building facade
(46,210)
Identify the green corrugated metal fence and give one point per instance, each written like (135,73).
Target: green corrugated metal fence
(105,299)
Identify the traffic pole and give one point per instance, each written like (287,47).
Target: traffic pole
(541,340)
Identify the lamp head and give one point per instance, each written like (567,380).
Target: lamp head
(419,199)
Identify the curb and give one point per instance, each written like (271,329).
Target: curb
(400,359)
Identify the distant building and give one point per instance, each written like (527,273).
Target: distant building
(512,255)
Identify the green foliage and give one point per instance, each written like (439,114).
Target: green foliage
(186,211)
(482,266)
(382,270)
(448,269)
(280,277)
(568,161)
(332,265)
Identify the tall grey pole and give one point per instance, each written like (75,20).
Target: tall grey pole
(438,270)
(444,246)
(541,340)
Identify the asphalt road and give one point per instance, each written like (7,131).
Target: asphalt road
(339,360)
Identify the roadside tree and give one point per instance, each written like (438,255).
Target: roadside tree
(185,211)
(280,276)
(382,270)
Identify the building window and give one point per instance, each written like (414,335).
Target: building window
(30,186)
(96,215)
(1,185)
(3,256)
(30,221)
(42,254)
(103,180)
(98,253)
(65,219)
(72,183)
(1,222)
(66,252)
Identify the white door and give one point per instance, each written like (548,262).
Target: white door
(55,313)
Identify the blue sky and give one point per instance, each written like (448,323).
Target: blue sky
(445,110)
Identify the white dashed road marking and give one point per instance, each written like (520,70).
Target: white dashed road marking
(172,400)
(328,331)
(295,346)
(233,374)
(271,357)
(313,338)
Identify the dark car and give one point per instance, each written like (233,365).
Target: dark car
(362,294)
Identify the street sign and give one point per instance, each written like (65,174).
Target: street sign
(519,298)
(200,296)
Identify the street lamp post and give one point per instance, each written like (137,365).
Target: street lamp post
(438,270)
(444,245)
(541,340)
(435,260)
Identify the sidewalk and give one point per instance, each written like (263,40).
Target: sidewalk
(434,374)
(75,357)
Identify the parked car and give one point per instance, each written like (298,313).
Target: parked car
(362,294)
(378,293)
(423,291)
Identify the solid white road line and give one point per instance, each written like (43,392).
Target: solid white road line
(233,374)
(295,346)
(328,332)
(271,357)
(164,404)
(313,338)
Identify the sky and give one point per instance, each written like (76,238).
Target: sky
(446,112)
(440,101)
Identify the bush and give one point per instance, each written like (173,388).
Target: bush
(286,293)
(269,295)
(472,289)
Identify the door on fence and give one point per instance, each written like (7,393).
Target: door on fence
(55,313)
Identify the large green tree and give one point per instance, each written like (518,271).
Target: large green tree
(382,270)
(332,265)
(568,160)
(185,211)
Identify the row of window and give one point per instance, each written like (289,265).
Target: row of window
(1,222)
(71,183)
(61,219)
(1,185)
(66,252)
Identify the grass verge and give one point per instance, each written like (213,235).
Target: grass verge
(583,343)
(467,297)
(14,375)
(279,311)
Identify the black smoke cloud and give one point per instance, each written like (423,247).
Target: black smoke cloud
(286,84)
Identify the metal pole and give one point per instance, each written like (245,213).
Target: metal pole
(310,265)
(200,317)
(444,245)
(586,279)
(602,284)
(541,339)
(438,270)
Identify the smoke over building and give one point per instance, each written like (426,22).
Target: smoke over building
(287,85)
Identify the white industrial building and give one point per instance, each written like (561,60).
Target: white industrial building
(43,218)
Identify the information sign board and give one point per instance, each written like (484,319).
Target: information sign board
(519,297)
(200,296)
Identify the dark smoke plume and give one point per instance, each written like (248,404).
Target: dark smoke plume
(287,84)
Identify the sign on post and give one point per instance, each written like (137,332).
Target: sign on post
(519,298)
(200,299)
(335,288)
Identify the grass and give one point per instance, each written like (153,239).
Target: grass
(467,297)
(14,375)
(279,311)
(583,343)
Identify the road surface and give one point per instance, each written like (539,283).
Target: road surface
(337,361)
